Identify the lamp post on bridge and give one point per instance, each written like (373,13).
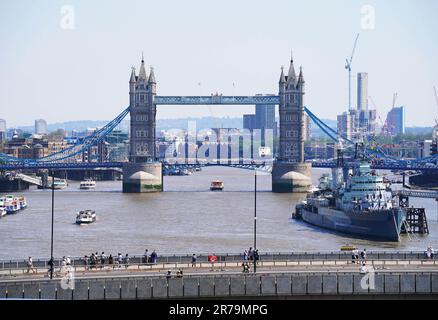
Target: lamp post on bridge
(255,221)
(53,215)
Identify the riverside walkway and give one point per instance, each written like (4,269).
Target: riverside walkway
(231,257)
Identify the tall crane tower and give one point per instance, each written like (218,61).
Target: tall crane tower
(348,67)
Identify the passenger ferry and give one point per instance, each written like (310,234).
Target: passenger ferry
(2,211)
(264,151)
(361,206)
(22,202)
(87,184)
(86,217)
(11,204)
(60,184)
(217,185)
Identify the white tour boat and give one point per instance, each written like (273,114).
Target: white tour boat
(87,184)
(2,212)
(22,202)
(86,217)
(11,204)
(60,184)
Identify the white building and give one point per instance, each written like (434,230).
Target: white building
(40,126)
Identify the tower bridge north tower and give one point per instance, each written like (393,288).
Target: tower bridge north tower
(142,173)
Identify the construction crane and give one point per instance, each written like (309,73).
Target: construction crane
(383,125)
(348,67)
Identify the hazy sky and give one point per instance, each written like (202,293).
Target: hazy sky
(60,74)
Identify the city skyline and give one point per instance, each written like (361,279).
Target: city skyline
(227,51)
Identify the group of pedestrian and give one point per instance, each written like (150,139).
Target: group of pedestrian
(430,252)
(179,273)
(251,255)
(150,258)
(66,261)
(96,260)
(355,255)
(65,267)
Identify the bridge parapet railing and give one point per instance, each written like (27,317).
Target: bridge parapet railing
(226,257)
(138,259)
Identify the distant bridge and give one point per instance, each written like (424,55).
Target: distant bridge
(61,165)
(418,194)
(246,165)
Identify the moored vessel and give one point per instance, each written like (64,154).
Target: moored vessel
(362,206)
(60,184)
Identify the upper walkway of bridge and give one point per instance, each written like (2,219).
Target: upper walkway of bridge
(217,99)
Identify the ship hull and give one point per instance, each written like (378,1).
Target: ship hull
(384,225)
(425,180)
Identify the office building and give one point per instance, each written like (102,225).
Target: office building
(249,121)
(395,121)
(359,122)
(362,91)
(40,126)
(2,130)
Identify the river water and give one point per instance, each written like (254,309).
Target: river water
(186,218)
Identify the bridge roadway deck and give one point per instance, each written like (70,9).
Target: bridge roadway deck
(391,278)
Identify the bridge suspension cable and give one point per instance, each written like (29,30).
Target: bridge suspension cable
(77,148)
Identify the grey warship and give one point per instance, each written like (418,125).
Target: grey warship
(360,206)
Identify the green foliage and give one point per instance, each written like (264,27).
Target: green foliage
(412,137)
(58,134)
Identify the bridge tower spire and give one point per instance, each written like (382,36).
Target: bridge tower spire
(132,81)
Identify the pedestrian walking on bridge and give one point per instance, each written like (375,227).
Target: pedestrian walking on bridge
(30,266)
(154,257)
(194,258)
(51,264)
(126,261)
(146,256)
(363,255)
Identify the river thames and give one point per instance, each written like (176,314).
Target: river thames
(186,218)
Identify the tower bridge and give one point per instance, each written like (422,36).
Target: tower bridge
(143,172)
